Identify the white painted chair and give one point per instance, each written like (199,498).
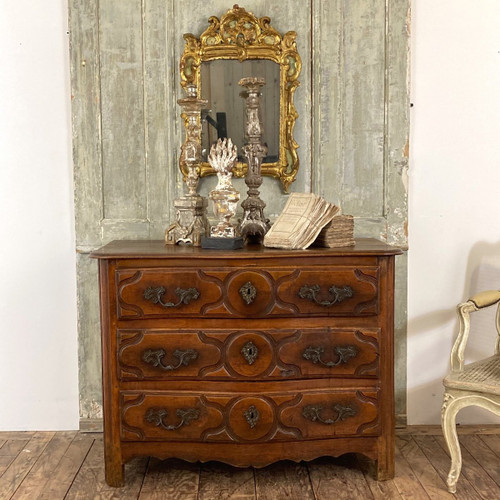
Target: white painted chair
(475,383)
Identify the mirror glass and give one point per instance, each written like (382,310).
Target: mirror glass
(226,108)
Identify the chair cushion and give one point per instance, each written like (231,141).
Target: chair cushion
(480,376)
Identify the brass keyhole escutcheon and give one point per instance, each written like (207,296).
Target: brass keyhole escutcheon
(252,416)
(248,292)
(250,352)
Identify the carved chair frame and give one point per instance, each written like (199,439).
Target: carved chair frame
(463,394)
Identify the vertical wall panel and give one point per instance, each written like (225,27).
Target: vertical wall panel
(397,120)
(363,106)
(86,110)
(396,176)
(159,109)
(89,339)
(327,91)
(122,97)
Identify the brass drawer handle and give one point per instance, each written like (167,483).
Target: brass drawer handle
(155,294)
(339,294)
(154,357)
(312,413)
(252,416)
(344,354)
(155,416)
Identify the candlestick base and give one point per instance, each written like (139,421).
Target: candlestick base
(254,225)
(191,221)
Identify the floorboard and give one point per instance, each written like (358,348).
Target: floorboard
(70,466)
(340,478)
(90,483)
(282,481)
(493,443)
(172,479)
(9,452)
(380,490)
(441,462)
(476,475)
(60,482)
(429,478)
(223,482)
(14,435)
(22,464)
(405,480)
(34,483)
(483,455)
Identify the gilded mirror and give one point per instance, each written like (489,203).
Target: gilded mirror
(238,45)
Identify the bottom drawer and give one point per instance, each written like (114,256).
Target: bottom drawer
(165,416)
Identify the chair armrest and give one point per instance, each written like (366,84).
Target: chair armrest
(486,299)
(476,302)
(457,352)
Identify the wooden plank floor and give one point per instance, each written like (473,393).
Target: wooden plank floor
(70,465)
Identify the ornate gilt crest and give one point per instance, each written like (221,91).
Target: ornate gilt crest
(240,35)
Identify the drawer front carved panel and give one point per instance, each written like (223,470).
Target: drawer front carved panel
(146,293)
(328,291)
(248,418)
(243,354)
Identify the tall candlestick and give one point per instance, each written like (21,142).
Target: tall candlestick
(191,219)
(253,225)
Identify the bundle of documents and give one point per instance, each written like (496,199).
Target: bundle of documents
(302,219)
(339,232)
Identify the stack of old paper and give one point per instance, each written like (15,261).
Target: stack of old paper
(339,232)
(302,219)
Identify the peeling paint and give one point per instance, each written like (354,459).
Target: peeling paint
(90,409)
(398,212)
(406,150)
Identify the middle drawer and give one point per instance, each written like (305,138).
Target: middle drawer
(248,354)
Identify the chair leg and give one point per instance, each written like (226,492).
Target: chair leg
(448,417)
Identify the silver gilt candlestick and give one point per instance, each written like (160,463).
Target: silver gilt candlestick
(225,197)
(254,225)
(191,210)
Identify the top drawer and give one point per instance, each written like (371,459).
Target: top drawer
(247,292)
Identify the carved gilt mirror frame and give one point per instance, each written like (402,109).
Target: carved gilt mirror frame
(239,35)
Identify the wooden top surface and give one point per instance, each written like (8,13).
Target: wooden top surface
(156,249)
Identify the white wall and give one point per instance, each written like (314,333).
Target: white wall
(454,202)
(454,187)
(38,340)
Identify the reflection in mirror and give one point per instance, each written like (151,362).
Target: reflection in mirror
(225,114)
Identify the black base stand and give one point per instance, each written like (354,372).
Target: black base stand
(221,243)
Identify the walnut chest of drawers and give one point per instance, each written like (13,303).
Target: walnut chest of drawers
(247,356)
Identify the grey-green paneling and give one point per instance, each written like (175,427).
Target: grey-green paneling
(160,95)
(86,110)
(89,343)
(352,129)
(122,110)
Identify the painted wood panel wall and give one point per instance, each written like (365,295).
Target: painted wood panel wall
(352,130)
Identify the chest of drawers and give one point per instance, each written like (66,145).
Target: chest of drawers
(247,356)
